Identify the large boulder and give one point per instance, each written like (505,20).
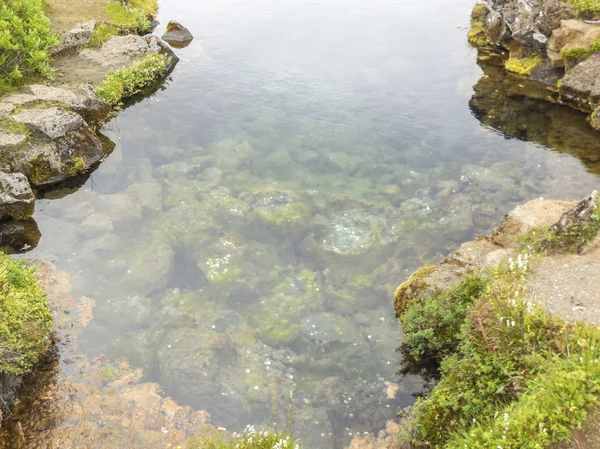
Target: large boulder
(51,123)
(16,197)
(572,34)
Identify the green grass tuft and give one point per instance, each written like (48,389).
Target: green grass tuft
(102,33)
(586,6)
(127,81)
(131,14)
(25,320)
(11,127)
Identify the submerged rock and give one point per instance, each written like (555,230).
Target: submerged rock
(16,197)
(19,236)
(177,35)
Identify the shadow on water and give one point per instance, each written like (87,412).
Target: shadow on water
(528,111)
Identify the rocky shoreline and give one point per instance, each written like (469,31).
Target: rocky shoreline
(551,42)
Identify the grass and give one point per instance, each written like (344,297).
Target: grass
(128,81)
(102,33)
(131,14)
(522,66)
(581,53)
(25,320)
(249,439)
(11,127)
(514,377)
(586,6)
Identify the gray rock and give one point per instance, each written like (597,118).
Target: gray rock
(49,162)
(177,34)
(572,34)
(5,110)
(16,197)
(76,37)
(96,224)
(53,123)
(547,74)
(11,141)
(583,81)
(119,206)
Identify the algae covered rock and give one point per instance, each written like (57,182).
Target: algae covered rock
(18,237)
(16,197)
(177,35)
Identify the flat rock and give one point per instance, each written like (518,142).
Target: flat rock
(177,34)
(53,123)
(5,110)
(117,51)
(11,141)
(16,197)
(583,81)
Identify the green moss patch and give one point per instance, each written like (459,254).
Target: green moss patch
(515,377)
(25,320)
(586,6)
(476,34)
(522,66)
(102,33)
(128,81)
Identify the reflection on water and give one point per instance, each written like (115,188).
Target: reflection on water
(243,240)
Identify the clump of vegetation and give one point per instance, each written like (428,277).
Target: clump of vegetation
(25,38)
(102,33)
(517,378)
(25,320)
(11,127)
(586,6)
(131,14)
(249,439)
(522,66)
(128,81)
(433,324)
(581,53)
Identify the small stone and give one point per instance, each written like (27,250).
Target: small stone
(177,34)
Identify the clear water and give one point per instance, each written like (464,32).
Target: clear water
(244,239)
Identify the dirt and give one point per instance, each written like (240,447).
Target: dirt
(73,70)
(63,16)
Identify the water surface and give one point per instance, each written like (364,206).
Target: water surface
(244,239)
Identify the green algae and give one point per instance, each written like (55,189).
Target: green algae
(25,319)
(522,66)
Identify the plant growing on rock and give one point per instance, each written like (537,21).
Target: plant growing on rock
(128,81)
(24,41)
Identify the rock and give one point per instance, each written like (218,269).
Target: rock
(119,206)
(96,224)
(119,51)
(524,24)
(584,211)
(545,73)
(582,82)
(16,197)
(19,236)
(49,162)
(76,37)
(5,110)
(84,101)
(52,123)
(176,34)
(571,34)
(10,142)
(149,194)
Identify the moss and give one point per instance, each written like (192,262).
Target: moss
(40,171)
(411,288)
(586,6)
(476,35)
(25,319)
(128,81)
(11,127)
(559,83)
(78,166)
(581,53)
(522,66)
